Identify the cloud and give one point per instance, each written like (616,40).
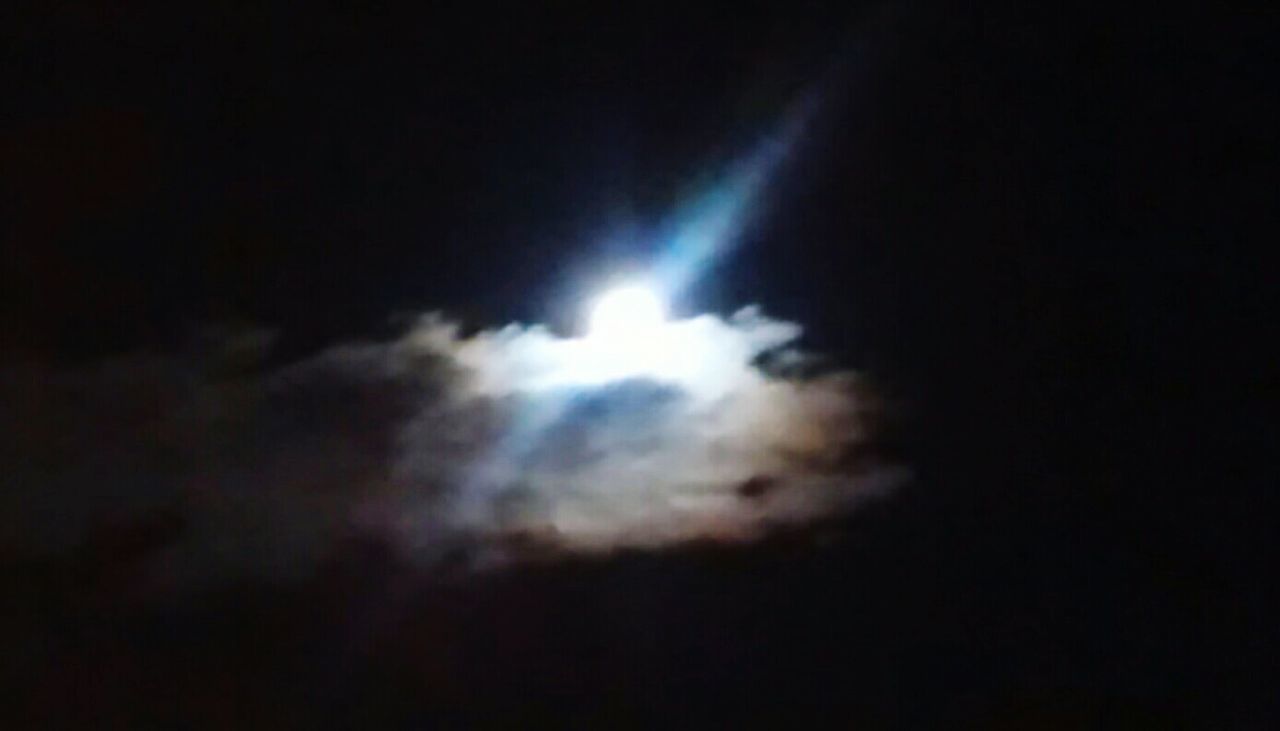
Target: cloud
(493,446)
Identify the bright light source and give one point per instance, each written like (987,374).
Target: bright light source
(627,336)
(626,312)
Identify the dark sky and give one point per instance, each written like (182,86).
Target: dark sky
(1027,225)
(178,166)
(318,171)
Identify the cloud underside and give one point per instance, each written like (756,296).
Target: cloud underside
(489,446)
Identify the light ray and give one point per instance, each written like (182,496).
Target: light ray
(708,228)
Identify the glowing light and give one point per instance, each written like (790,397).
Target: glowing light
(627,312)
(709,225)
(627,336)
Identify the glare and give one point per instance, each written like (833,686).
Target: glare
(627,336)
(627,312)
(631,336)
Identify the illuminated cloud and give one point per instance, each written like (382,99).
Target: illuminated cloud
(488,446)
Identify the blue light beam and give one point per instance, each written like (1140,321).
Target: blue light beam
(707,229)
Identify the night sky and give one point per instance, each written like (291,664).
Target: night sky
(1023,229)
